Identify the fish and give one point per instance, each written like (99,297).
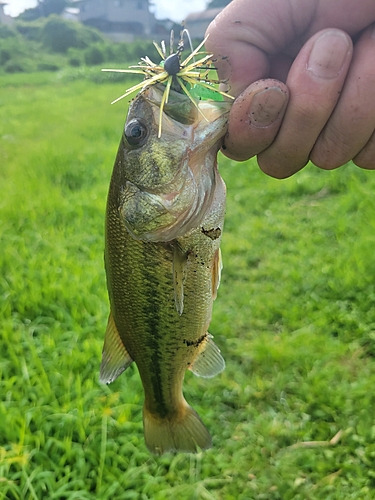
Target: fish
(164,222)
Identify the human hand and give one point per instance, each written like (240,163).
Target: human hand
(303,72)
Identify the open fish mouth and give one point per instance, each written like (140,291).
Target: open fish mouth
(204,116)
(165,212)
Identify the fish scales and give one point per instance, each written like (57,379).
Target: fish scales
(161,292)
(155,333)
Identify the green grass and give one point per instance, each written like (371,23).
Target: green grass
(295,320)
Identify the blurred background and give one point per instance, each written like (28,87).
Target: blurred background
(50,34)
(292,416)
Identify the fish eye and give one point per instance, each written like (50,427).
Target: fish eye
(135,133)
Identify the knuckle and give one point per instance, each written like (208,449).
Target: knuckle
(310,113)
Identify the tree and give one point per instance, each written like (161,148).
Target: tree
(59,35)
(44,9)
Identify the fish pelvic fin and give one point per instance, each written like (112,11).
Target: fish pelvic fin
(184,432)
(209,361)
(115,357)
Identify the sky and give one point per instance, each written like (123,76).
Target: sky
(162,9)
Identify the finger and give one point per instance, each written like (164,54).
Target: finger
(250,33)
(315,81)
(255,118)
(353,121)
(247,32)
(366,157)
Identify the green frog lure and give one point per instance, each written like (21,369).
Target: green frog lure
(189,76)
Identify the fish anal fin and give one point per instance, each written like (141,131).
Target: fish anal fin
(179,271)
(182,432)
(209,361)
(216,272)
(115,358)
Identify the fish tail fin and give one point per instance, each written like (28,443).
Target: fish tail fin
(184,432)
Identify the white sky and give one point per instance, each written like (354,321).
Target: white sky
(162,9)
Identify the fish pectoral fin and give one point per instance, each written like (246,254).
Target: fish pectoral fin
(115,357)
(216,272)
(209,361)
(178,269)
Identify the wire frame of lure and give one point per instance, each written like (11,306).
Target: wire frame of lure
(188,76)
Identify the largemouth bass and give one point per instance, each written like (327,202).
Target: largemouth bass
(164,220)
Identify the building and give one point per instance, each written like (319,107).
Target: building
(198,22)
(70,14)
(4,19)
(120,20)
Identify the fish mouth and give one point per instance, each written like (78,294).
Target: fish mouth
(203,124)
(207,118)
(164,213)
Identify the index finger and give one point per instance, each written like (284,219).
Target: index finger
(246,33)
(253,35)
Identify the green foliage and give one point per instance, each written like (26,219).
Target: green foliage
(20,55)
(30,30)
(120,52)
(14,45)
(59,35)
(6,31)
(53,43)
(45,66)
(94,55)
(16,66)
(294,318)
(139,49)
(75,57)
(50,44)
(123,53)
(44,9)
(5,56)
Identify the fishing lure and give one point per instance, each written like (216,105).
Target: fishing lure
(189,76)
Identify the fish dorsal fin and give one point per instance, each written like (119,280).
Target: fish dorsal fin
(209,361)
(216,272)
(115,358)
(178,269)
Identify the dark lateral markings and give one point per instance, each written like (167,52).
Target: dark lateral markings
(214,234)
(195,343)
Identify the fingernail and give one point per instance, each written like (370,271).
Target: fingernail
(266,106)
(328,54)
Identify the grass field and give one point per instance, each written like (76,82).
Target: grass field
(295,320)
